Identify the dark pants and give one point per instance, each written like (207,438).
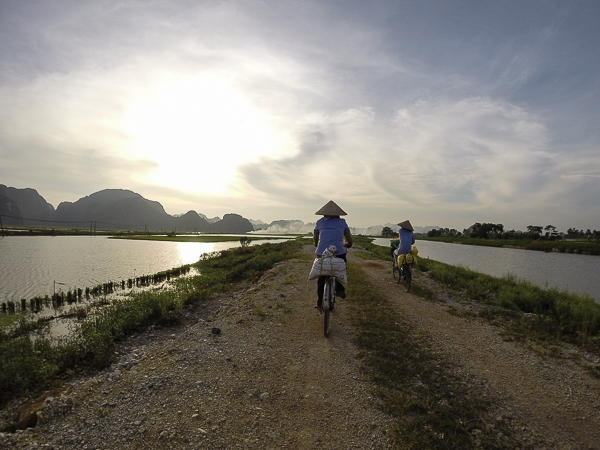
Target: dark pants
(339,287)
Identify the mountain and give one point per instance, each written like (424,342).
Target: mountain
(113,209)
(232,223)
(299,227)
(10,214)
(192,221)
(289,227)
(120,209)
(259,224)
(213,220)
(26,201)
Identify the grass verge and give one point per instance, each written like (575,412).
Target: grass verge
(433,407)
(524,312)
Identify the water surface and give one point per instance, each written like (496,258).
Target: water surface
(30,265)
(565,271)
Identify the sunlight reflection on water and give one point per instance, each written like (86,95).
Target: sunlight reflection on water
(30,265)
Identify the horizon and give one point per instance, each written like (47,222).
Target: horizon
(252,219)
(446,111)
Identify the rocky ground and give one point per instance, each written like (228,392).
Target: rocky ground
(252,369)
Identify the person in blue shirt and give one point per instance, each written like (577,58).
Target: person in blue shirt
(407,237)
(331,229)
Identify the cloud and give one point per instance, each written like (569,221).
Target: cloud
(470,153)
(445,112)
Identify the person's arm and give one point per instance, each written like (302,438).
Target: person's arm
(316,238)
(348,237)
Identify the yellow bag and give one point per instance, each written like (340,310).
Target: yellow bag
(410,257)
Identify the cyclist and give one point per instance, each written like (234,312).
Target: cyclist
(331,229)
(407,238)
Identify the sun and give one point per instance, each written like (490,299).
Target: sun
(198,131)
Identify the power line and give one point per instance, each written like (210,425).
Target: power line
(119,225)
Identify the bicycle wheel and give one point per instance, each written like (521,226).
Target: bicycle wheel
(406,276)
(328,300)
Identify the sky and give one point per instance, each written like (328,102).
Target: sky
(443,112)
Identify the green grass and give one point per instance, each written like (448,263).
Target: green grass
(525,311)
(9,319)
(432,407)
(30,366)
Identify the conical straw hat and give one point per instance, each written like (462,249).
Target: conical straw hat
(406,225)
(331,209)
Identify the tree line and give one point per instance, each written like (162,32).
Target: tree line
(496,231)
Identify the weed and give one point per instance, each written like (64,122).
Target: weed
(595,371)
(259,311)
(523,310)
(432,407)
(284,308)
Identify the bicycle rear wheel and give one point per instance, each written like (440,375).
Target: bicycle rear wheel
(406,276)
(328,301)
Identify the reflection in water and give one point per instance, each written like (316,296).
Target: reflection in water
(29,266)
(34,266)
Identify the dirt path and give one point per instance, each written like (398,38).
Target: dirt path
(555,399)
(270,379)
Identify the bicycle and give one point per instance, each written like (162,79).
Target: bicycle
(328,302)
(402,274)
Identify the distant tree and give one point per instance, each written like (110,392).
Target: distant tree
(244,241)
(443,232)
(551,232)
(485,230)
(534,231)
(388,232)
(574,233)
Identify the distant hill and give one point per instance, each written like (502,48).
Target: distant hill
(23,203)
(120,209)
(10,213)
(259,224)
(299,227)
(113,209)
